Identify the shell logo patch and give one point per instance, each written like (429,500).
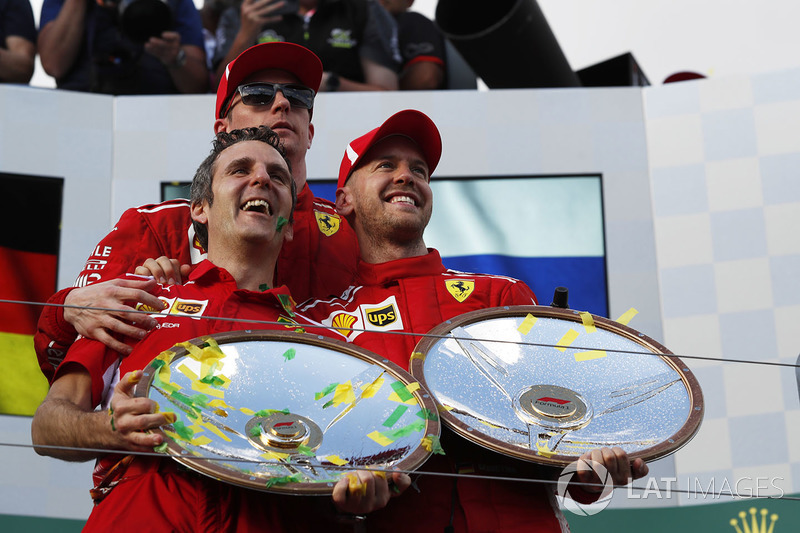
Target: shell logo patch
(343,323)
(168,302)
(460,289)
(328,223)
(347,325)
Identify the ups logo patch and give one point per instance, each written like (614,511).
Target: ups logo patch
(328,224)
(188,307)
(382,316)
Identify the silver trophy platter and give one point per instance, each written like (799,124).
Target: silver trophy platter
(546,385)
(286,412)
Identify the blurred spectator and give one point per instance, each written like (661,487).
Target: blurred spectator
(17,41)
(210,14)
(422,48)
(94,46)
(355,39)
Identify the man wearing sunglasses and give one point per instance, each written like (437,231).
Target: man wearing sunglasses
(271,84)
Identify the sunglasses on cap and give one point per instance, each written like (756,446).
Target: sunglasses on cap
(263,93)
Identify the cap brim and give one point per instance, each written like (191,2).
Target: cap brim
(293,58)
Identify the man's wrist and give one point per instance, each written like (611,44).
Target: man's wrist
(179,61)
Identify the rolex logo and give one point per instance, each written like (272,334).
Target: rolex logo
(755,525)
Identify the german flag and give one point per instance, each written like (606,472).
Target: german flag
(28,269)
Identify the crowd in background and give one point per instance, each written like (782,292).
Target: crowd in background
(170,47)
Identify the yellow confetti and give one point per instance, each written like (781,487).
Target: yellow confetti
(627,316)
(379,473)
(213,429)
(344,394)
(588,322)
(485,423)
(186,371)
(274,456)
(202,440)
(591,354)
(354,485)
(445,407)
(527,324)
(568,338)
(543,450)
(378,437)
(219,403)
(372,389)
(166,356)
(207,389)
(193,350)
(170,418)
(336,460)
(248,412)
(416,355)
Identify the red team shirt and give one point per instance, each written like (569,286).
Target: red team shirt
(167,497)
(414,295)
(320,259)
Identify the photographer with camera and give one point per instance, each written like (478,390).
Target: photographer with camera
(355,39)
(130,47)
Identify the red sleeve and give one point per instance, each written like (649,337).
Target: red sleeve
(141,233)
(518,294)
(100,362)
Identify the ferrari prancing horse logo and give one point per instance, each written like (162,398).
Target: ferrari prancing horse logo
(460,289)
(328,223)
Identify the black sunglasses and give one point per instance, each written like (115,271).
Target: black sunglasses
(263,93)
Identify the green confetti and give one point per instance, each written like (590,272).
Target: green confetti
(305,450)
(289,354)
(161,448)
(294,478)
(281,222)
(427,414)
(201,400)
(214,381)
(263,287)
(255,431)
(327,390)
(183,432)
(405,431)
(287,304)
(270,412)
(401,390)
(158,363)
(395,416)
(436,446)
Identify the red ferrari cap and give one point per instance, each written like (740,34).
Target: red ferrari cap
(410,123)
(290,57)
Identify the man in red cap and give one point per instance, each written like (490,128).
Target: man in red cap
(271,84)
(401,286)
